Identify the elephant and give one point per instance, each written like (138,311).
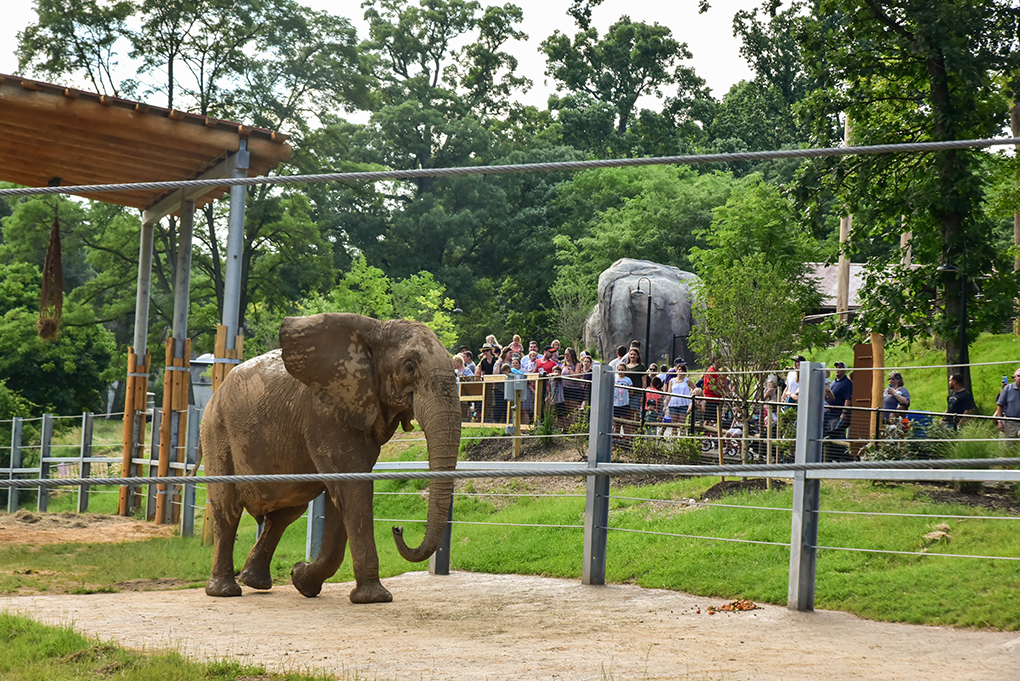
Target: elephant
(326,402)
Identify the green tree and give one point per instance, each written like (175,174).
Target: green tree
(65,376)
(748,318)
(368,291)
(605,77)
(758,219)
(76,38)
(917,71)
(659,213)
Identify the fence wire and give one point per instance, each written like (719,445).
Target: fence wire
(376,176)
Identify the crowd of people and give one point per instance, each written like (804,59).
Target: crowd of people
(666,398)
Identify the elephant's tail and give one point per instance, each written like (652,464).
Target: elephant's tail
(198,461)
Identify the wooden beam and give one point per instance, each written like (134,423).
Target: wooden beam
(53,127)
(29,104)
(171,203)
(74,153)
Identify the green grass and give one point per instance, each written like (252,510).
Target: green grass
(35,652)
(959,592)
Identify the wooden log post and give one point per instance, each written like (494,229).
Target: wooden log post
(134,400)
(173,429)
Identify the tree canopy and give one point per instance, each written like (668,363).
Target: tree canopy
(435,83)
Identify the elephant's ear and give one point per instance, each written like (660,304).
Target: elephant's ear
(331,354)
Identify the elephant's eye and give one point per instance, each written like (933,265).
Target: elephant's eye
(409,368)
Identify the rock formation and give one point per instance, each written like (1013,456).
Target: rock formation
(621,313)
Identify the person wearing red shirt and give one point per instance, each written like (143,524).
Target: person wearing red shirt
(712,387)
(546,363)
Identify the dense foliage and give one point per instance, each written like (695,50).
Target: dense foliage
(435,84)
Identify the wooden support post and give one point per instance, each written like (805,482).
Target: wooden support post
(878,368)
(224,360)
(518,399)
(134,400)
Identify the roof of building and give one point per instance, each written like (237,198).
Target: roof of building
(54,135)
(828,282)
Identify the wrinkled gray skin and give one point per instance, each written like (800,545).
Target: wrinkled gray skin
(326,402)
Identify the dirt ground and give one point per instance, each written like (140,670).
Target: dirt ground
(25,527)
(469,626)
(479,626)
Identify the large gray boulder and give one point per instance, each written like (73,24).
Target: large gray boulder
(621,313)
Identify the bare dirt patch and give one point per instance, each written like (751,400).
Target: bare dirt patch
(26,527)
(481,626)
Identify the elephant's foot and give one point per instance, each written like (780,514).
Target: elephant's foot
(221,586)
(256,579)
(371,592)
(306,585)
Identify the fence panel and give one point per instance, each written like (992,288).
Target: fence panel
(12,493)
(84,465)
(45,447)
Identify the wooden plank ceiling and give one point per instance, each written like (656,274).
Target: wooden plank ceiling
(51,134)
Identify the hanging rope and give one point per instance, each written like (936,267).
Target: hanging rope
(51,297)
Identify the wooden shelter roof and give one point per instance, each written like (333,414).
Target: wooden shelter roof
(51,134)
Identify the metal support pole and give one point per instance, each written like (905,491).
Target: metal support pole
(439,562)
(154,445)
(804,526)
(135,395)
(190,459)
(235,248)
(12,493)
(518,400)
(600,450)
(182,297)
(144,291)
(316,526)
(45,448)
(648,349)
(85,455)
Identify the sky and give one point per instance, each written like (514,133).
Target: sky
(709,36)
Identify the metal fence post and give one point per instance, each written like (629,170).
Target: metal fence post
(190,459)
(12,493)
(804,526)
(45,448)
(316,525)
(600,449)
(439,562)
(151,491)
(84,465)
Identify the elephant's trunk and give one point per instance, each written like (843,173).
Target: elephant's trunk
(437,409)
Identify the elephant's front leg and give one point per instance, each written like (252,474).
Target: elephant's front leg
(256,573)
(308,577)
(356,509)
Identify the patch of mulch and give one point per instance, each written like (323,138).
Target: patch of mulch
(721,489)
(992,500)
(502,449)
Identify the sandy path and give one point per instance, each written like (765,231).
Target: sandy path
(479,626)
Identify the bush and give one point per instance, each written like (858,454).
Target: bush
(678,452)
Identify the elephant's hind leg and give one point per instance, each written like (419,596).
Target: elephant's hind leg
(256,572)
(226,512)
(308,577)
